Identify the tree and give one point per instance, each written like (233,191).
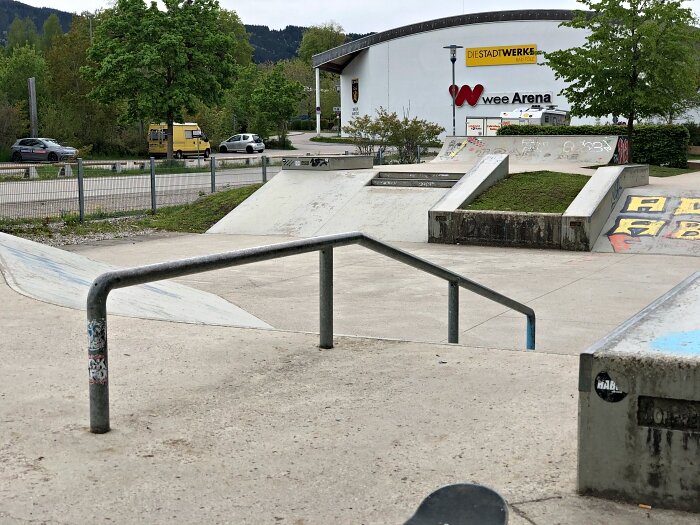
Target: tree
(277,98)
(242,50)
(320,38)
(22,33)
(70,115)
(161,63)
(50,30)
(24,62)
(239,99)
(636,61)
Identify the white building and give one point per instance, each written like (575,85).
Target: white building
(407,70)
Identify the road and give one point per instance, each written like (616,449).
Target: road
(36,198)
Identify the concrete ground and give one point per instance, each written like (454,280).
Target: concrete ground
(227,425)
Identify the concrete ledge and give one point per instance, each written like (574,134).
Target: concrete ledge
(492,228)
(585,218)
(639,406)
(328,162)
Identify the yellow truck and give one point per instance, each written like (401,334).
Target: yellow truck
(188,140)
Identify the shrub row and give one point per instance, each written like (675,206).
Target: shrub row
(660,145)
(310,124)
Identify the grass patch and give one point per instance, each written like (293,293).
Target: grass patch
(539,191)
(197,217)
(202,214)
(661,171)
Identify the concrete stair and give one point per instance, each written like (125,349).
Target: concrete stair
(415,179)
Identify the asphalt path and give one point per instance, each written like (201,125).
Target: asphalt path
(29,198)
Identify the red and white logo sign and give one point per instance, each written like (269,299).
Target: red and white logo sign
(466,94)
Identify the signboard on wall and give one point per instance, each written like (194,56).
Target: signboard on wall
(492,126)
(475,127)
(501,55)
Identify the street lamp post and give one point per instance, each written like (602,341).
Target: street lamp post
(453,88)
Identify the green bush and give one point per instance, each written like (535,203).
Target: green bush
(302,125)
(276,144)
(660,145)
(694,131)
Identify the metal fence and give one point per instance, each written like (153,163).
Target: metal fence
(97,188)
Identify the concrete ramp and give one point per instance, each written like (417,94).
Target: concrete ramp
(63,278)
(306,203)
(533,149)
(653,220)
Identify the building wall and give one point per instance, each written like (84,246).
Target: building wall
(412,74)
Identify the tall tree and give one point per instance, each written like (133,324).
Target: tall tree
(22,32)
(71,115)
(636,62)
(277,99)
(161,63)
(24,62)
(320,38)
(50,30)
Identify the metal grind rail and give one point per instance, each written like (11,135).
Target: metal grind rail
(103,284)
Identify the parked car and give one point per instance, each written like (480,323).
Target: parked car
(41,150)
(247,142)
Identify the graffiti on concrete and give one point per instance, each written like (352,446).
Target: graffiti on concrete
(650,216)
(530,148)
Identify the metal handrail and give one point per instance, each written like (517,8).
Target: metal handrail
(103,284)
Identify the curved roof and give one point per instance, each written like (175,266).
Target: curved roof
(336,59)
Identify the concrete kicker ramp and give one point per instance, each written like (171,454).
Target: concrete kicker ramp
(63,278)
(306,203)
(653,220)
(578,150)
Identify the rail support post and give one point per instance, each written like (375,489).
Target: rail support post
(153,185)
(212,165)
(98,376)
(326,297)
(81,191)
(530,332)
(263,160)
(453,312)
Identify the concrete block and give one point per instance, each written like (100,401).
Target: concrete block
(639,406)
(31,173)
(65,171)
(492,228)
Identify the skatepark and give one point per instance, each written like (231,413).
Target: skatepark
(225,410)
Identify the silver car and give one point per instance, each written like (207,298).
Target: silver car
(41,150)
(247,142)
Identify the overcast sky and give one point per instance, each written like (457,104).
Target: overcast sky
(355,16)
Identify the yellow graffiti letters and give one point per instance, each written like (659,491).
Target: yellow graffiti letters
(688,230)
(642,204)
(688,206)
(638,227)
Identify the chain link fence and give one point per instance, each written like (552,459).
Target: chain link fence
(89,188)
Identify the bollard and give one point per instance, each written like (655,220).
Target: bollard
(212,167)
(153,184)
(418,155)
(263,159)
(81,191)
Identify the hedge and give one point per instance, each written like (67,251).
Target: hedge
(660,145)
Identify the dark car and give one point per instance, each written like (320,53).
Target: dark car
(41,150)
